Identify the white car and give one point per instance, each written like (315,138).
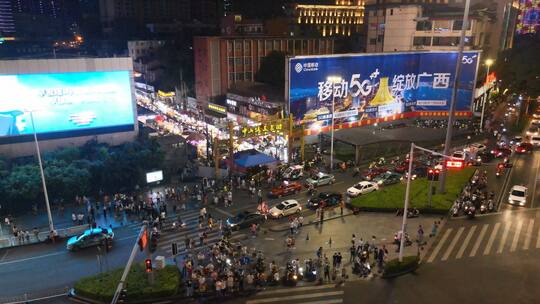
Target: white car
(459,155)
(362,188)
(532,131)
(535,140)
(285,208)
(518,195)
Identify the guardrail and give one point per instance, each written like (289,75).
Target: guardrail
(42,236)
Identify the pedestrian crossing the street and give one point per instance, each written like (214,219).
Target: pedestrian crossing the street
(469,241)
(319,294)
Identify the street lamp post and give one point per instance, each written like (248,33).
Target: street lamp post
(448,140)
(489,62)
(333,80)
(44,184)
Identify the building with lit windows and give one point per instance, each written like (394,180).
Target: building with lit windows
(7,24)
(221,61)
(329,18)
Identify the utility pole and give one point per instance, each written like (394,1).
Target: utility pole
(449,131)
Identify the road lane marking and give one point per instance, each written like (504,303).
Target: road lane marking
(439,246)
(492,238)
(223,212)
(516,236)
(466,242)
(504,236)
(33,258)
(479,240)
(452,244)
(528,235)
(296,289)
(296,297)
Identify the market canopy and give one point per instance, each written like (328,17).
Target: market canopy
(252,158)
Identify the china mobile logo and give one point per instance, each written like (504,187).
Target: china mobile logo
(467,60)
(298,67)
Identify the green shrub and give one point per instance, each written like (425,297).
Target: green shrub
(395,267)
(101,287)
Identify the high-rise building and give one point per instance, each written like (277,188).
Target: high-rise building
(7,23)
(328,18)
(222,61)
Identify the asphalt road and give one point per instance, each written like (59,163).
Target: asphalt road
(524,172)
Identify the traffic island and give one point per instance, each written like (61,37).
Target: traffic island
(101,288)
(390,198)
(395,268)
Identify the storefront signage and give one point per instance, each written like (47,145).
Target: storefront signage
(263,129)
(165,94)
(217,108)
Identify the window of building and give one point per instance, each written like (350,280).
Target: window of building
(231,77)
(487,38)
(238,60)
(422,41)
(445,41)
(391,12)
(277,45)
(249,76)
(458,24)
(442,25)
(238,44)
(373,41)
(247,46)
(231,61)
(268,45)
(247,60)
(424,25)
(290,46)
(239,76)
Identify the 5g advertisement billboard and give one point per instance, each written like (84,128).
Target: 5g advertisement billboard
(368,88)
(65,104)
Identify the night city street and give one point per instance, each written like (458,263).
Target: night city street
(269,151)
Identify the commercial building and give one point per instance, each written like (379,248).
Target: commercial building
(66,102)
(399,25)
(328,18)
(221,62)
(7,23)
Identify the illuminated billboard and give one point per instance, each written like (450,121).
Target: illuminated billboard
(366,88)
(528,17)
(65,104)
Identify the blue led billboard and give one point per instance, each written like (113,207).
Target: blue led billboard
(65,104)
(372,86)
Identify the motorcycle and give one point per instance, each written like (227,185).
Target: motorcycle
(483,208)
(411,213)
(291,276)
(311,191)
(471,212)
(455,211)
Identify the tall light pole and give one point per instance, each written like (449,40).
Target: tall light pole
(333,80)
(488,62)
(44,184)
(457,75)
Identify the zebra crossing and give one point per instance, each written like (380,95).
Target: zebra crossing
(319,294)
(484,239)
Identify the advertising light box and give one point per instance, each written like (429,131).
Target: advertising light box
(367,87)
(64,103)
(154,176)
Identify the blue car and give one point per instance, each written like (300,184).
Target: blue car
(91,237)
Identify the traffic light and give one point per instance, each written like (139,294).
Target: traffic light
(148,265)
(174,248)
(433,174)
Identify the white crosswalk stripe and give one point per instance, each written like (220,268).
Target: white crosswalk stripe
(465,243)
(504,236)
(492,238)
(439,246)
(509,236)
(452,244)
(479,240)
(528,235)
(516,236)
(318,294)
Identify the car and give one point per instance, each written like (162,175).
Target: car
(535,140)
(244,220)
(535,122)
(362,187)
(516,140)
(518,195)
(532,131)
(372,173)
(501,152)
(325,199)
(320,179)
(285,208)
(418,172)
(404,166)
(536,115)
(459,155)
(90,237)
(293,172)
(388,178)
(524,147)
(476,148)
(286,188)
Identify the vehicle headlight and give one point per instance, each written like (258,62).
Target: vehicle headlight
(379,182)
(274,213)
